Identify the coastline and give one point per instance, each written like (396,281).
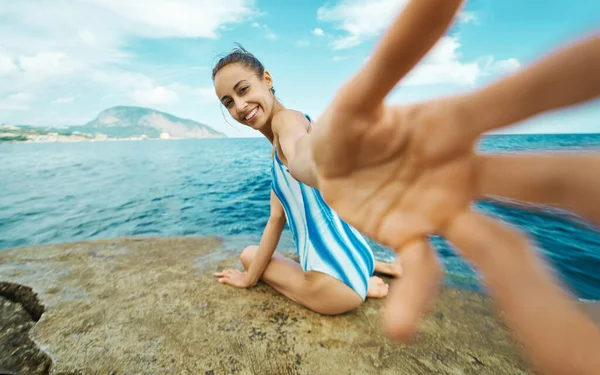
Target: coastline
(151,304)
(81,139)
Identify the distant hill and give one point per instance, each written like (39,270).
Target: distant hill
(114,123)
(126,122)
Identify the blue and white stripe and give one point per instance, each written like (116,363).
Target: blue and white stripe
(324,242)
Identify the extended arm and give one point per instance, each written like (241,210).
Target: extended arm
(567,77)
(565,181)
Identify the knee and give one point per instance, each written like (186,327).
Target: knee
(332,309)
(329,298)
(247,255)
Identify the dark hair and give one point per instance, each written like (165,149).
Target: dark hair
(241,56)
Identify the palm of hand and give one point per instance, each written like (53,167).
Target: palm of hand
(398,173)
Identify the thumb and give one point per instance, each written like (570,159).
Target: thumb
(412,295)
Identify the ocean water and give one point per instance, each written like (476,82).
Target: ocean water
(84,191)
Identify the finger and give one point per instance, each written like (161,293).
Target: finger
(411,296)
(565,181)
(223,273)
(414,32)
(533,302)
(233,273)
(566,77)
(236,282)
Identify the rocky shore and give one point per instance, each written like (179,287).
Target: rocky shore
(151,306)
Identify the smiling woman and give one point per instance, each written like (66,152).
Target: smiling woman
(335,268)
(253,74)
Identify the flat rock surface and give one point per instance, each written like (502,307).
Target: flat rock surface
(152,306)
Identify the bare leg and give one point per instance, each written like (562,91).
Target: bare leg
(317,291)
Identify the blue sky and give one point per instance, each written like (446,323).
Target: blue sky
(62,62)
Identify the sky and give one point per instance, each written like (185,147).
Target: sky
(64,61)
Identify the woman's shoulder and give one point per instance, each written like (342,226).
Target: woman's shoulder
(289,117)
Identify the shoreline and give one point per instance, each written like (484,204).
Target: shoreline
(106,140)
(452,280)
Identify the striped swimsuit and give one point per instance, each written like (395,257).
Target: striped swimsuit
(323,241)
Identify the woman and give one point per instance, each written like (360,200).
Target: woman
(334,273)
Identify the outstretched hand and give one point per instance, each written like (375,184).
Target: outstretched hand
(401,173)
(398,174)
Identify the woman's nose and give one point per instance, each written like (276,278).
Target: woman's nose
(241,106)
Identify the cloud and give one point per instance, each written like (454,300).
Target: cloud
(17,102)
(269,34)
(360,19)
(451,72)
(22,97)
(48,64)
(139,87)
(98,29)
(205,94)
(442,65)
(504,66)
(318,31)
(171,73)
(159,95)
(7,66)
(364,19)
(61,44)
(175,18)
(467,17)
(64,100)
(346,42)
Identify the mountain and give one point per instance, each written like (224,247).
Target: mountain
(128,122)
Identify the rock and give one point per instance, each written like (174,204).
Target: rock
(18,354)
(152,306)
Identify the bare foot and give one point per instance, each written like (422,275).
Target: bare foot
(377,288)
(390,269)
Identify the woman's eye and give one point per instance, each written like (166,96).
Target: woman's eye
(243,89)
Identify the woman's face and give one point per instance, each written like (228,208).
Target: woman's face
(246,95)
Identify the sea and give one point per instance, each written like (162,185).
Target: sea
(65,192)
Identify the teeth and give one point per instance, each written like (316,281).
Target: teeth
(249,116)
